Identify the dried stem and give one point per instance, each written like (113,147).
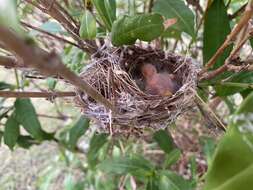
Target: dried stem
(230,59)
(66,13)
(238,12)
(12,94)
(61,15)
(50,34)
(8,62)
(48,64)
(55,117)
(150,6)
(245,66)
(196,4)
(232,36)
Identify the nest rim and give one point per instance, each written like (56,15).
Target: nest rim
(113,74)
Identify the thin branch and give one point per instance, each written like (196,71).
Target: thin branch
(66,13)
(228,61)
(196,4)
(228,4)
(53,10)
(240,68)
(232,36)
(150,6)
(213,74)
(210,111)
(48,64)
(55,117)
(59,15)
(12,94)
(238,12)
(50,34)
(8,62)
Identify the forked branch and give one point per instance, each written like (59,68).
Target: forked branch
(47,63)
(232,36)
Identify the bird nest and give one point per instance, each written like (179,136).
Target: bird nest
(117,75)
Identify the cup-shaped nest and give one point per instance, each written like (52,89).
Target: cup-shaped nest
(116,74)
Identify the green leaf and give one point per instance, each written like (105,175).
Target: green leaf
(164,140)
(237,83)
(88,29)
(107,11)
(172,157)
(216,29)
(110,6)
(11,131)
(96,143)
(69,182)
(51,83)
(26,142)
(246,106)
(128,29)
(208,146)
(45,181)
(172,33)
(4,86)
(232,166)
(1,136)
(27,117)
(153,183)
(251,42)
(177,9)
(217,16)
(4,112)
(73,57)
(193,168)
(244,93)
(172,181)
(77,131)
(135,165)
(52,27)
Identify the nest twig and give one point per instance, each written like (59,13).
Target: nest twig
(116,75)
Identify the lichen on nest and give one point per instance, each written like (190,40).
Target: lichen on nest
(116,74)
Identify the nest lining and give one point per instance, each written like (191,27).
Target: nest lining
(116,75)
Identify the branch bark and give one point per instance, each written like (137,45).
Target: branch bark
(50,34)
(12,94)
(48,64)
(53,9)
(8,62)
(232,36)
(238,12)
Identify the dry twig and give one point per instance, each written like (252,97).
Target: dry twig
(12,94)
(232,36)
(47,63)
(241,30)
(50,34)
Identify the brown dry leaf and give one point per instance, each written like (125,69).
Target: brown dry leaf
(169,22)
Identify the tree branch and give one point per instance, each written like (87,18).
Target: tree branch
(196,4)
(229,66)
(238,12)
(50,34)
(150,6)
(48,64)
(51,8)
(63,117)
(12,94)
(8,62)
(231,37)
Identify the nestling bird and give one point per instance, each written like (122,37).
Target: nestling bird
(163,84)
